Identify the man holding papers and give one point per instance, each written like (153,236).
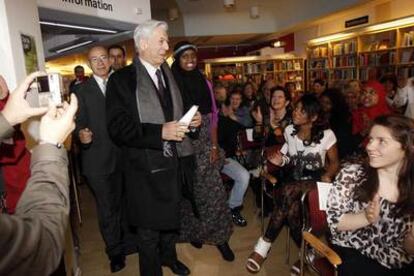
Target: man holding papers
(144,105)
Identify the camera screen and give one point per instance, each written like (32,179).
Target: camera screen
(43,84)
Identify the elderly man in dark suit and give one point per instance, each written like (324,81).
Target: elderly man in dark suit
(99,155)
(143,105)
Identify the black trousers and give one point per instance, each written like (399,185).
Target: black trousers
(354,264)
(107,190)
(156,248)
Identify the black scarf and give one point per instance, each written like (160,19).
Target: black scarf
(193,87)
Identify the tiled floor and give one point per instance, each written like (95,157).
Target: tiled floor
(202,262)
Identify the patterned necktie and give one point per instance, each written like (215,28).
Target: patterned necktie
(161,88)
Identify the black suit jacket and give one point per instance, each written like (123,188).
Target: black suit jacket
(151,181)
(99,157)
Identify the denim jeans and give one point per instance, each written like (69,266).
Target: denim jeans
(241,176)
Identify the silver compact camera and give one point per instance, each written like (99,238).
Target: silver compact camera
(44,89)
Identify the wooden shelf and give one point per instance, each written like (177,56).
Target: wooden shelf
(343,67)
(379,51)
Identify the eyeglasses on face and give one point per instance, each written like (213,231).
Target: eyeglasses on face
(96,60)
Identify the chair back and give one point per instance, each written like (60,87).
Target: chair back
(314,219)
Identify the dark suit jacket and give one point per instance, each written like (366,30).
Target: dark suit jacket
(152,187)
(99,157)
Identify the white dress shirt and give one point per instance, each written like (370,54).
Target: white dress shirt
(151,71)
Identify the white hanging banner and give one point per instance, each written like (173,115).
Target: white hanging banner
(130,11)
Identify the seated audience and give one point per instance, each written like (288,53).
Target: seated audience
(249,95)
(318,87)
(271,129)
(405,96)
(370,205)
(373,104)
(310,155)
(228,129)
(391,87)
(337,114)
(32,240)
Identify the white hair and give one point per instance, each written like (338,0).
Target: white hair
(145,29)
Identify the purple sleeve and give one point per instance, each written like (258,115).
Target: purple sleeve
(214,110)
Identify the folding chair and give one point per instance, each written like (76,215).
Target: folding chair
(315,225)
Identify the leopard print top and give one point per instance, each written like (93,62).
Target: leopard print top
(382,241)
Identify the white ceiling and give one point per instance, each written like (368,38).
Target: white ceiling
(205,22)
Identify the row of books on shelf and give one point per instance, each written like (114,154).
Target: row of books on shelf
(321,51)
(408,39)
(407,56)
(381,44)
(377,59)
(342,61)
(253,68)
(318,75)
(347,74)
(345,48)
(406,72)
(375,73)
(318,64)
(289,65)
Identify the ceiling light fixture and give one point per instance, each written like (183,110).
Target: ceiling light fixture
(278,44)
(173,14)
(254,12)
(228,4)
(78,27)
(71,47)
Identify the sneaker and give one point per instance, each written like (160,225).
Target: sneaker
(237,217)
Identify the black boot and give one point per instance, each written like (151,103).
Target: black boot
(237,217)
(197,244)
(226,252)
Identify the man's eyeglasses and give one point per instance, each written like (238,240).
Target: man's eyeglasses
(96,60)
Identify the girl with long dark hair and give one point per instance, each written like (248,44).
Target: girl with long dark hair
(310,155)
(371,206)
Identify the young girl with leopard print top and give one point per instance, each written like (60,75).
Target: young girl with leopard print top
(370,208)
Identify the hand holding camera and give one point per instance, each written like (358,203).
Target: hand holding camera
(58,122)
(17,109)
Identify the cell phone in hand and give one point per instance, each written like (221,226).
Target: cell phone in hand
(44,89)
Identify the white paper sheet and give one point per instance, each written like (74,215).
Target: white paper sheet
(186,119)
(323,191)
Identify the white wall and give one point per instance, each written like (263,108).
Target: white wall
(15,20)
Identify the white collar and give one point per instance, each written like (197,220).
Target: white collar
(151,69)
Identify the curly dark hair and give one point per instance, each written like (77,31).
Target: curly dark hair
(340,113)
(402,130)
(312,108)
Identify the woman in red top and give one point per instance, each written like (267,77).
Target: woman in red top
(14,159)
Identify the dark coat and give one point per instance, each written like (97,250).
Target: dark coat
(99,157)
(151,181)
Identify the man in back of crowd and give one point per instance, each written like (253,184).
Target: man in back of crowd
(99,155)
(32,240)
(117,57)
(79,78)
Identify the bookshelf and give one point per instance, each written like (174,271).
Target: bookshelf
(365,53)
(239,70)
